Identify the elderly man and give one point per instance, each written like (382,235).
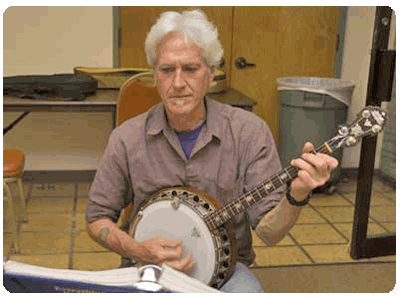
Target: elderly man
(191,140)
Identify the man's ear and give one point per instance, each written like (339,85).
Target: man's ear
(211,74)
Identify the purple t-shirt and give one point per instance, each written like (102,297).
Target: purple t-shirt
(188,139)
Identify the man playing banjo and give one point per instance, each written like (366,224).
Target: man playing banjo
(191,140)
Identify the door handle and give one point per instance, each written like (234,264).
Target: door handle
(241,63)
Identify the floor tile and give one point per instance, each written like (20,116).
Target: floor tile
(54,222)
(276,256)
(50,204)
(259,243)
(377,198)
(84,243)
(331,200)
(96,261)
(337,214)
(81,204)
(338,253)
(316,234)
(351,185)
(34,243)
(347,229)
(329,253)
(80,219)
(83,189)
(384,213)
(7,244)
(308,215)
(391,195)
(58,189)
(57,261)
(347,186)
(391,226)
(7,220)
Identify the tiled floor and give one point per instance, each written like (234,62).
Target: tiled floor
(55,234)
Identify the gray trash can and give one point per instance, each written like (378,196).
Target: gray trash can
(311,110)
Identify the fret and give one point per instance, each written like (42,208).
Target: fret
(288,174)
(217,216)
(210,222)
(243,202)
(233,208)
(292,171)
(238,206)
(277,182)
(262,191)
(225,214)
(249,199)
(269,186)
(283,176)
(328,148)
(255,195)
(217,219)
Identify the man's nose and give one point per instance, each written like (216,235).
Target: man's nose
(178,81)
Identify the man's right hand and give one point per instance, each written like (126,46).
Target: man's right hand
(161,250)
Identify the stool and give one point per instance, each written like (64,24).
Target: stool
(13,169)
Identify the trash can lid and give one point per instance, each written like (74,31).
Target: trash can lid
(342,90)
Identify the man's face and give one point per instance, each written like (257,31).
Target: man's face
(181,75)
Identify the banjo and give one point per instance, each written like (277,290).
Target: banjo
(203,225)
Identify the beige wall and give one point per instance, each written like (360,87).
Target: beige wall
(46,40)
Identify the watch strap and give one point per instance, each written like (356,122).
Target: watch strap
(294,202)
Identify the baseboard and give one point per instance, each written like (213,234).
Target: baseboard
(58,176)
(88,176)
(352,173)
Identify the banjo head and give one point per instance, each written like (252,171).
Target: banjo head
(178,213)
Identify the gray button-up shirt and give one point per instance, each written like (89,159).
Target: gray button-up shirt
(234,152)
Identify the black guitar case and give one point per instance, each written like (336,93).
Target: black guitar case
(61,87)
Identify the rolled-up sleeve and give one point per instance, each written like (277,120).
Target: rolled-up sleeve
(111,189)
(262,163)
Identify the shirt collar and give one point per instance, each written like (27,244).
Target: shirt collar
(157,119)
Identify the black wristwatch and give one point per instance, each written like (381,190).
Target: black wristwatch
(292,201)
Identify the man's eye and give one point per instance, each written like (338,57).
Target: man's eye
(190,69)
(166,70)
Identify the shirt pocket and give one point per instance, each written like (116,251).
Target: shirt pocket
(228,184)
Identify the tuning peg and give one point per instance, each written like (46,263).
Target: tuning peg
(343,130)
(351,141)
(376,129)
(366,113)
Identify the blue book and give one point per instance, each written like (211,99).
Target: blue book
(26,278)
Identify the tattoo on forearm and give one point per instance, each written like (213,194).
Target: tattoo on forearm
(103,235)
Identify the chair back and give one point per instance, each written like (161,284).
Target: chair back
(136,96)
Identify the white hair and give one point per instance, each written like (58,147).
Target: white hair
(194,26)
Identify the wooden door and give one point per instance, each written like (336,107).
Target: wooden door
(135,22)
(281,41)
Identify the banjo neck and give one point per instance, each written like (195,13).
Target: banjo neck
(240,204)
(370,122)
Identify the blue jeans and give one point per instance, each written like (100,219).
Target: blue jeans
(242,281)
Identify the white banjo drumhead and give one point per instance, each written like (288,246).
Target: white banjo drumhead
(160,219)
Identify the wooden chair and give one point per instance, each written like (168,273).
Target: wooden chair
(136,96)
(13,169)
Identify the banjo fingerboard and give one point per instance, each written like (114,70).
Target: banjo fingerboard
(224,214)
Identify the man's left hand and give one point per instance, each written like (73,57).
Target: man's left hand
(314,171)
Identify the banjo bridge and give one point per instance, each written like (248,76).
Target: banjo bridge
(175,203)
